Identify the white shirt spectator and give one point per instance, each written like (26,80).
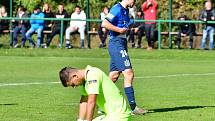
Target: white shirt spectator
(81,16)
(76,25)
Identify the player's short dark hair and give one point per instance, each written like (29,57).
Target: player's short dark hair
(77,6)
(21,8)
(183,16)
(65,75)
(61,4)
(37,7)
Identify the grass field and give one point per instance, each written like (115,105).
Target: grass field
(177,85)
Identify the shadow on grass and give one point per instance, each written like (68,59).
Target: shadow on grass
(8,104)
(177,108)
(1,45)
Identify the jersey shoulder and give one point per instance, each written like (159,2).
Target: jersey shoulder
(116,8)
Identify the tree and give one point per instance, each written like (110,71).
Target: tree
(189,7)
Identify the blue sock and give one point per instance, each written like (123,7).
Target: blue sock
(82,43)
(129,91)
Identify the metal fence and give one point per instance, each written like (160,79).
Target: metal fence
(159,28)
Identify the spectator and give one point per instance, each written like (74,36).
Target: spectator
(48,14)
(20,26)
(57,24)
(132,12)
(149,8)
(76,26)
(186,29)
(208,15)
(36,26)
(102,31)
(4,24)
(137,28)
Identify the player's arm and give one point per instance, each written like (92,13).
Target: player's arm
(83,107)
(144,6)
(154,3)
(91,103)
(109,26)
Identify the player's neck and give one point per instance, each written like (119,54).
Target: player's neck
(83,73)
(123,3)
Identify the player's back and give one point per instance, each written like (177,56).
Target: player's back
(109,98)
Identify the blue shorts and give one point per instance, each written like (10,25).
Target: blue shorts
(118,51)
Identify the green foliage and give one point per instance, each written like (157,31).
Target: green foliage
(29,4)
(179,7)
(190,8)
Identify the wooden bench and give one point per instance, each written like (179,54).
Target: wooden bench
(185,40)
(176,33)
(7,31)
(93,32)
(45,31)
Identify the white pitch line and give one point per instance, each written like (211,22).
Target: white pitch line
(23,84)
(175,75)
(145,77)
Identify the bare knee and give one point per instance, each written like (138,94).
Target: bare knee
(114,76)
(128,77)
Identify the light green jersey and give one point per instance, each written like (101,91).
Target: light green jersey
(109,98)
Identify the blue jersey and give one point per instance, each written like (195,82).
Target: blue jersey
(118,16)
(117,47)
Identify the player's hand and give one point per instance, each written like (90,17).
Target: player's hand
(136,30)
(212,18)
(149,4)
(122,30)
(104,29)
(75,28)
(183,35)
(50,25)
(205,19)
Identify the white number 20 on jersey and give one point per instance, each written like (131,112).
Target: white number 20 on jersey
(124,53)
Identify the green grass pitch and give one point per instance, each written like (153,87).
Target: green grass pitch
(176,85)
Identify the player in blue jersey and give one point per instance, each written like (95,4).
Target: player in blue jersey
(118,22)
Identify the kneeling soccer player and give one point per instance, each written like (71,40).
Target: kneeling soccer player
(96,88)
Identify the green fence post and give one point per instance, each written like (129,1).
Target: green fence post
(88,23)
(170,23)
(10,28)
(61,33)
(159,34)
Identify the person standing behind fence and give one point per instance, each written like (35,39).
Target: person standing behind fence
(186,29)
(102,31)
(62,13)
(137,28)
(20,26)
(208,15)
(149,8)
(48,23)
(36,26)
(76,26)
(4,24)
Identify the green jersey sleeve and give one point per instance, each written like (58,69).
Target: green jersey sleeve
(92,84)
